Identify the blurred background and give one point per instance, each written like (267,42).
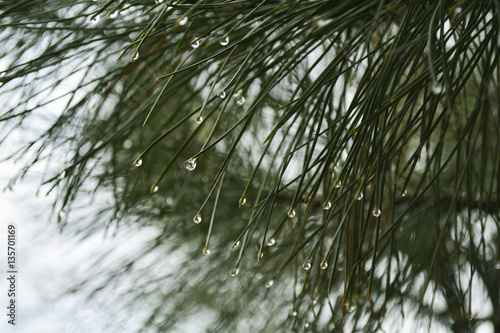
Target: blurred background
(267,166)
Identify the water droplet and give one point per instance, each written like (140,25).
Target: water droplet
(61,216)
(138,162)
(190,164)
(119,215)
(306,324)
(206,251)
(127,144)
(327,205)
(197,218)
(114,14)
(293,313)
(436,88)
(324,265)
(291,212)
(352,307)
(338,183)
(235,272)
(158,2)
(169,200)
(224,40)
(271,241)
(135,57)
(241,100)
(235,245)
(403,193)
(457,10)
(243,201)
(222,94)
(314,301)
(183,21)
(359,196)
(307,265)
(62,174)
(94,19)
(376,212)
(269,284)
(199,119)
(154,189)
(195,43)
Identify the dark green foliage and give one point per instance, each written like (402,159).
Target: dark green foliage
(364,136)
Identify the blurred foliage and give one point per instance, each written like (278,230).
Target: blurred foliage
(359,139)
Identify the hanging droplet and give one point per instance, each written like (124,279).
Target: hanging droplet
(457,10)
(62,174)
(403,193)
(127,144)
(338,183)
(235,272)
(306,325)
(271,241)
(241,100)
(190,164)
(243,201)
(158,2)
(307,265)
(324,265)
(183,21)
(293,313)
(197,218)
(138,162)
(314,301)
(199,119)
(61,216)
(195,43)
(327,205)
(359,196)
(352,307)
(206,251)
(224,40)
(114,14)
(94,19)
(376,212)
(436,88)
(119,215)
(154,189)
(269,284)
(235,245)
(222,94)
(135,57)
(291,212)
